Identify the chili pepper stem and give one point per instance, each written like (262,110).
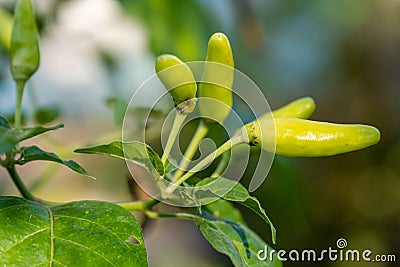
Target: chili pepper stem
(201,131)
(20,90)
(221,165)
(237,139)
(139,205)
(180,215)
(176,126)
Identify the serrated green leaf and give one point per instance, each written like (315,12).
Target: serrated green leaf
(4,123)
(233,191)
(236,241)
(84,233)
(136,152)
(32,153)
(11,137)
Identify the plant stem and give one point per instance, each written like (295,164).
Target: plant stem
(19,184)
(180,215)
(139,205)
(221,165)
(131,206)
(201,131)
(235,140)
(20,91)
(176,126)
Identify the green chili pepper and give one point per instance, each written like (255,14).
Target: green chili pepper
(301,108)
(217,79)
(24,42)
(303,138)
(6,25)
(178,79)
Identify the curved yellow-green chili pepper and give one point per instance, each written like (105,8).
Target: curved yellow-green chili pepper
(303,138)
(301,108)
(217,79)
(177,78)
(6,25)
(24,42)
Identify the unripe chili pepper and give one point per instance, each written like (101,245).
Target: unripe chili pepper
(177,78)
(304,138)
(6,25)
(301,108)
(24,42)
(217,79)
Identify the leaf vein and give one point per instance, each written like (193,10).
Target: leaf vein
(102,226)
(51,237)
(59,262)
(23,239)
(85,247)
(19,205)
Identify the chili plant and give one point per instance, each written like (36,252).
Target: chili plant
(37,232)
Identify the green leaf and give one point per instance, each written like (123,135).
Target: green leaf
(233,191)
(11,137)
(120,106)
(46,114)
(85,233)
(4,123)
(136,152)
(236,241)
(170,166)
(225,210)
(32,153)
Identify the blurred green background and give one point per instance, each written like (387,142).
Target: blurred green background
(344,53)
